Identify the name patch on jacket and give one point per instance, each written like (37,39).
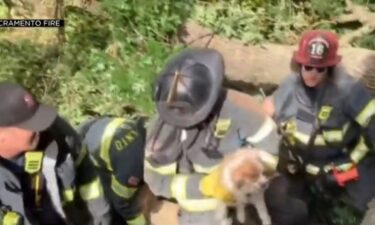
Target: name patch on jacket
(125,140)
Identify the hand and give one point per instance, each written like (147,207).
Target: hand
(212,187)
(338,174)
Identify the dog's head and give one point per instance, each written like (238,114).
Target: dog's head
(244,172)
(249,177)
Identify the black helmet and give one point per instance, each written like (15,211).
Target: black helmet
(189,86)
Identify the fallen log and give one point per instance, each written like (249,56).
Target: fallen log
(268,64)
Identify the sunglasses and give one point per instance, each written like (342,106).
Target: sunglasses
(319,70)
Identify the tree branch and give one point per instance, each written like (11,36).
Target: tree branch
(358,13)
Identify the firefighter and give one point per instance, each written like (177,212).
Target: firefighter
(116,146)
(44,179)
(197,123)
(326,118)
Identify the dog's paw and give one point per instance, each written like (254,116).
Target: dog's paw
(241,214)
(227,221)
(266,220)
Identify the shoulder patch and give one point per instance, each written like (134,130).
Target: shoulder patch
(325,112)
(221,128)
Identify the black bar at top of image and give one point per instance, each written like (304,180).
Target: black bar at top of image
(31,23)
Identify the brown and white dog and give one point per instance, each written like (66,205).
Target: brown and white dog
(244,175)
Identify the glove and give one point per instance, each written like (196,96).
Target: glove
(337,177)
(212,187)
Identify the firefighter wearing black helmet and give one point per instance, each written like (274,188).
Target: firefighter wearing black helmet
(199,122)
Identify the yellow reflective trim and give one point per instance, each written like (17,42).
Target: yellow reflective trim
(333,135)
(304,139)
(120,189)
(178,187)
(68,195)
(328,168)
(344,167)
(359,151)
(92,190)
(311,169)
(199,205)
(81,156)
(270,161)
(11,218)
(221,128)
(336,135)
(345,128)
(263,131)
(106,140)
(38,196)
(202,169)
(365,115)
(139,220)
(93,160)
(163,170)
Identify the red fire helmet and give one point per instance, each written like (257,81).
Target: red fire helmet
(318,48)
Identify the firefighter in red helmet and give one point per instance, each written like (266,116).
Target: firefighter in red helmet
(326,119)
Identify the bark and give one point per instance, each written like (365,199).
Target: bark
(268,64)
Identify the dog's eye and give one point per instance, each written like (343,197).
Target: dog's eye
(254,176)
(239,184)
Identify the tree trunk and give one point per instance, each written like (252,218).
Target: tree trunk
(268,64)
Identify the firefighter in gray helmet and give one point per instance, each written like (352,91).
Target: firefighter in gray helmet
(198,122)
(44,178)
(116,146)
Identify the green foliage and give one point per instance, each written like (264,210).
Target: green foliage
(4,12)
(343,215)
(253,21)
(108,61)
(367,41)
(280,21)
(28,64)
(325,10)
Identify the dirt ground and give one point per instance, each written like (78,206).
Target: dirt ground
(167,214)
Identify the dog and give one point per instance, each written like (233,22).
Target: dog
(244,175)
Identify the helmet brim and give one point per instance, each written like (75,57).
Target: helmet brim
(213,60)
(303,61)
